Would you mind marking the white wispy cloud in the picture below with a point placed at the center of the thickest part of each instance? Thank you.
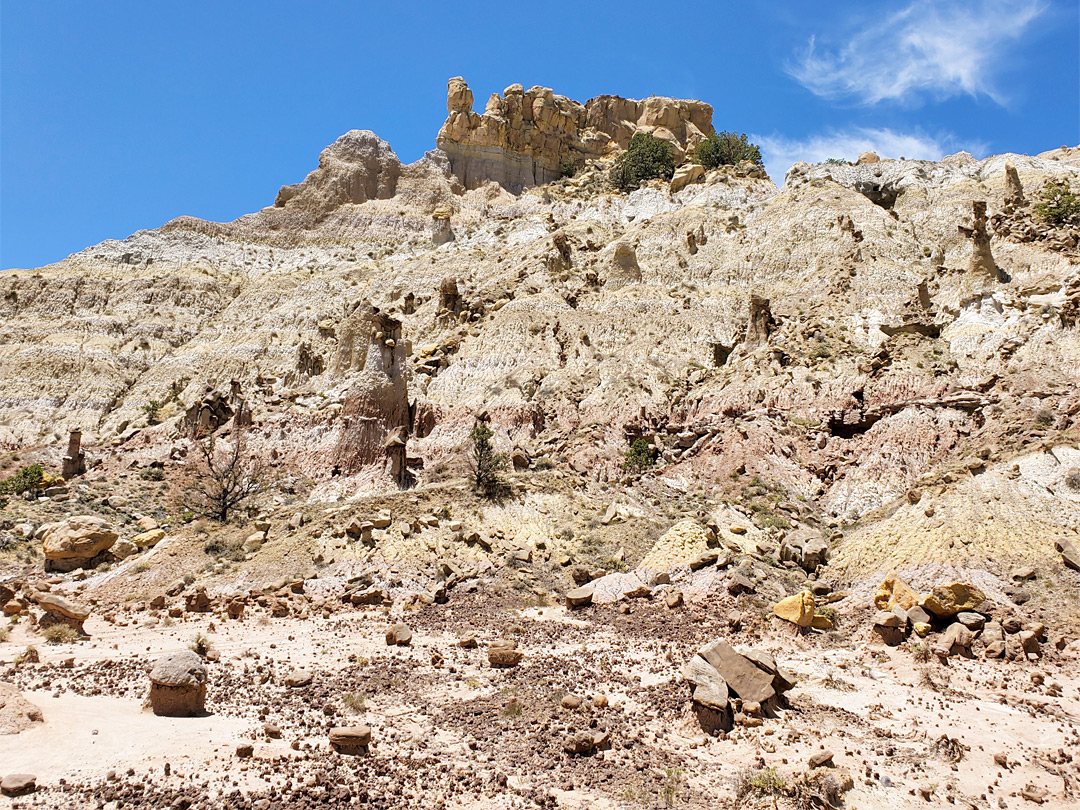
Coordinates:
(938, 48)
(779, 152)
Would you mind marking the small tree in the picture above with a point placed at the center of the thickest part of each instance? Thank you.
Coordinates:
(645, 158)
(1059, 204)
(152, 409)
(222, 476)
(26, 478)
(487, 464)
(639, 457)
(726, 149)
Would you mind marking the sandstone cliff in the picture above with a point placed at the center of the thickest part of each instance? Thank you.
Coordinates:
(530, 137)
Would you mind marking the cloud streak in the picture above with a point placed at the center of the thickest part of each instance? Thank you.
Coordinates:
(933, 48)
(779, 152)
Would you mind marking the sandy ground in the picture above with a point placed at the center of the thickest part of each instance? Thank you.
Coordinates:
(899, 728)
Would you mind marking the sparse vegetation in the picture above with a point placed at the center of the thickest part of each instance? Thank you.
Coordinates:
(759, 782)
(639, 457)
(28, 656)
(200, 645)
(353, 701)
(26, 478)
(646, 158)
(512, 709)
(224, 549)
(726, 149)
(152, 409)
(487, 464)
(669, 790)
(1058, 204)
(60, 634)
(1044, 418)
(152, 474)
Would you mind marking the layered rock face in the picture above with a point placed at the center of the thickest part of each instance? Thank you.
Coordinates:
(528, 137)
(371, 353)
(841, 339)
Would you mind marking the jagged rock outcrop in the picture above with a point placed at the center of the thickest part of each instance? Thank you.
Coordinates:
(357, 167)
(371, 354)
(527, 137)
(1014, 189)
(982, 269)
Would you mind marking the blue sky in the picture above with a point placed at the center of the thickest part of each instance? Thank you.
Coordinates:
(116, 116)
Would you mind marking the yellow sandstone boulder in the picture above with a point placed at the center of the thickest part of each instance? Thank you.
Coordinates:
(797, 609)
(945, 601)
(894, 591)
(148, 539)
(820, 622)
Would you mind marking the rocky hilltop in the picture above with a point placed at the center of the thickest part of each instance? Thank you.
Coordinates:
(853, 401)
(529, 137)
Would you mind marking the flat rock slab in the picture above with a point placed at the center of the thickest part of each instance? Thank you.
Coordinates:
(18, 784)
(350, 739)
(743, 677)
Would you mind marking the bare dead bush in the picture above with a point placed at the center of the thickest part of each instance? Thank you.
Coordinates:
(221, 476)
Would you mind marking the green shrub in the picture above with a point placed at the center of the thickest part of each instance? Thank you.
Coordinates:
(152, 474)
(569, 167)
(24, 479)
(768, 782)
(151, 409)
(646, 157)
(639, 457)
(1059, 205)
(726, 149)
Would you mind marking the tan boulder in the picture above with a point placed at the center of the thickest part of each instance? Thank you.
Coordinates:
(178, 685)
(148, 539)
(503, 652)
(685, 175)
(75, 542)
(821, 622)
(945, 601)
(894, 591)
(797, 609)
(123, 549)
(350, 739)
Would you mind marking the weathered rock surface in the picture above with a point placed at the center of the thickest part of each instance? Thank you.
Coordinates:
(526, 137)
(76, 542)
(350, 739)
(178, 685)
(16, 712)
